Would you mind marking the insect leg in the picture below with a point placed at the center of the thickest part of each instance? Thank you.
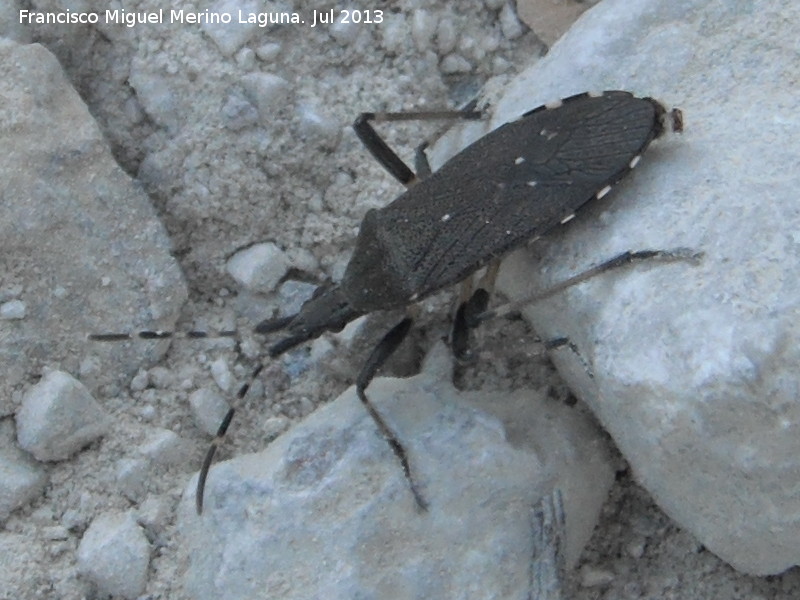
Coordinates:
(388, 157)
(470, 308)
(564, 342)
(547, 557)
(377, 358)
(462, 323)
(621, 260)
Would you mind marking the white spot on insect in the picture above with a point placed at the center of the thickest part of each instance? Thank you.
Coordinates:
(554, 104)
(445, 218)
(634, 161)
(568, 218)
(595, 94)
(533, 183)
(413, 297)
(603, 192)
(508, 232)
(548, 134)
(519, 160)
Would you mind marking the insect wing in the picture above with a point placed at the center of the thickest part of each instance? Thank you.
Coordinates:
(513, 185)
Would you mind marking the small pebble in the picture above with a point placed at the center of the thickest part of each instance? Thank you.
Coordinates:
(55, 532)
(239, 113)
(509, 23)
(259, 267)
(635, 549)
(160, 377)
(229, 37)
(423, 26)
(268, 52)
(165, 447)
(293, 294)
(267, 91)
(318, 127)
(303, 259)
(90, 366)
(114, 554)
(591, 577)
(154, 513)
(344, 33)
(58, 417)
(222, 374)
(455, 63)
(353, 329)
(246, 58)
(395, 32)
(12, 310)
(140, 381)
(274, 426)
(133, 475)
(208, 409)
(147, 412)
(446, 36)
(73, 519)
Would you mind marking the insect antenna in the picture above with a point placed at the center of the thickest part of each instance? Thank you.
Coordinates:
(158, 334)
(195, 334)
(209, 458)
(266, 326)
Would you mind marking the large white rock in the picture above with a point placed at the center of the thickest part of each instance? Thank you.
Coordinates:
(695, 367)
(325, 511)
(79, 240)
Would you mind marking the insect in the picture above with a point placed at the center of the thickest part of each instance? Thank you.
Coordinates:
(506, 189)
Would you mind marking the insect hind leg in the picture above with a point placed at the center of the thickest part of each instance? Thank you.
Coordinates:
(621, 260)
(548, 528)
(563, 342)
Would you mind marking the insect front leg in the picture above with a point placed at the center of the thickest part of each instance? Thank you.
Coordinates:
(385, 348)
(388, 157)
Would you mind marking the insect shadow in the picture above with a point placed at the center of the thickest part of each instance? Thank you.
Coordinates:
(507, 188)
